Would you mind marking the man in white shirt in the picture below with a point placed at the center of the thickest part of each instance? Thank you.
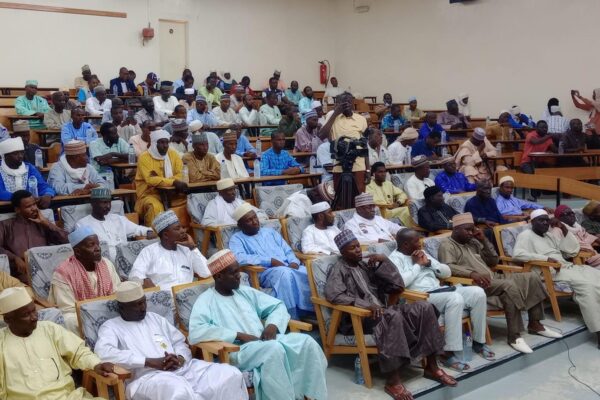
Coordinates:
(318, 237)
(420, 271)
(224, 113)
(98, 104)
(332, 91)
(399, 150)
(158, 356)
(232, 165)
(377, 150)
(173, 260)
(112, 229)
(219, 211)
(368, 227)
(166, 102)
(416, 184)
(556, 122)
(248, 114)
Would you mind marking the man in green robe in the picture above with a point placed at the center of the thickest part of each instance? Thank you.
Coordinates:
(32, 104)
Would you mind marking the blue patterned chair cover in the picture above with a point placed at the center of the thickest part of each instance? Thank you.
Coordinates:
(431, 245)
(47, 212)
(94, 313)
(320, 268)
(509, 237)
(342, 216)
(457, 202)
(399, 180)
(4, 264)
(196, 204)
(295, 227)
(127, 253)
(413, 209)
(42, 263)
(185, 299)
(381, 248)
(270, 198)
(71, 214)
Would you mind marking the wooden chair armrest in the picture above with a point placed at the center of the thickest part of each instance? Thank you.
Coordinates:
(542, 264)
(217, 346)
(509, 259)
(299, 326)
(309, 256)
(456, 280)
(361, 312)
(253, 268)
(122, 373)
(414, 295)
(508, 268)
(119, 374)
(585, 254)
(43, 302)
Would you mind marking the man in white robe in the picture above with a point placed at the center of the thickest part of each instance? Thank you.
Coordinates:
(402, 147)
(538, 243)
(156, 353)
(232, 165)
(173, 260)
(112, 229)
(219, 211)
(225, 114)
(286, 366)
(318, 237)
(415, 185)
(368, 227)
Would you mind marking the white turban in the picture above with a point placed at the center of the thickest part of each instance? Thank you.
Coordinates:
(538, 213)
(194, 126)
(153, 150)
(11, 145)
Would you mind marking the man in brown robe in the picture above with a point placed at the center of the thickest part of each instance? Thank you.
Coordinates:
(469, 254)
(403, 331)
(472, 157)
(28, 229)
(202, 166)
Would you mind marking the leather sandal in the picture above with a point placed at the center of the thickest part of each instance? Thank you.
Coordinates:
(440, 376)
(398, 392)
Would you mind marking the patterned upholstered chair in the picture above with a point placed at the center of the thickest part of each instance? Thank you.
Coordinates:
(270, 198)
(399, 180)
(70, 215)
(293, 228)
(91, 314)
(329, 316)
(51, 314)
(127, 253)
(458, 201)
(4, 263)
(47, 212)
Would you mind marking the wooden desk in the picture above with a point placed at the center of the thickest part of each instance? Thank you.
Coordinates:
(593, 157)
(58, 201)
(398, 168)
(515, 143)
(44, 133)
(13, 118)
(508, 159)
(119, 169)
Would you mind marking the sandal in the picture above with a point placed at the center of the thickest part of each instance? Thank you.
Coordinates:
(398, 392)
(486, 353)
(455, 364)
(440, 376)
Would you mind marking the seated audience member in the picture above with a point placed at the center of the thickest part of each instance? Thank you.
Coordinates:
(464, 107)
(21, 129)
(237, 97)
(426, 147)
(224, 113)
(112, 229)
(393, 120)
(297, 205)
(537, 141)
(180, 82)
(69, 103)
(553, 101)
(318, 107)
(276, 87)
(565, 217)
(575, 140)
(383, 109)
(84, 275)
(166, 102)
(98, 104)
(126, 127)
(452, 118)
(141, 142)
(28, 229)
(290, 120)
(166, 369)
(186, 93)
(244, 148)
(148, 86)
(179, 137)
(592, 222)
(519, 120)
(227, 82)
(510, 206)
(435, 215)
(430, 125)
(421, 272)
(451, 181)
(57, 116)
(210, 92)
(277, 161)
(412, 113)
(307, 137)
(232, 165)
(202, 166)
(72, 175)
(318, 238)
(265, 348)
(385, 194)
(18, 174)
(82, 80)
(469, 254)
(110, 148)
(483, 206)
(173, 260)
(78, 129)
(501, 129)
(403, 331)
(116, 103)
(32, 104)
(367, 226)
(306, 103)
(122, 85)
(148, 112)
(472, 157)
(255, 245)
(188, 99)
(293, 94)
(214, 143)
(202, 114)
(417, 183)
(32, 348)
(269, 114)
(220, 210)
(540, 243)
(557, 124)
(400, 150)
(87, 91)
(332, 91)
(160, 166)
(377, 150)
(248, 114)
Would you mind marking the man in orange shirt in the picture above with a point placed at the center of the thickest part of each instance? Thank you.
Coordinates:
(538, 141)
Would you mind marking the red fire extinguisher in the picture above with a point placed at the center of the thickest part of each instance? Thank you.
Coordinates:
(323, 72)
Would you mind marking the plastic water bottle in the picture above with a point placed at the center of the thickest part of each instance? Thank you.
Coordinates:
(561, 148)
(32, 186)
(89, 136)
(444, 137)
(499, 148)
(312, 164)
(39, 159)
(257, 168)
(444, 151)
(185, 174)
(467, 353)
(358, 373)
(258, 148)
(396, 126)
(131, 155)
(110, 179)
(224, 173)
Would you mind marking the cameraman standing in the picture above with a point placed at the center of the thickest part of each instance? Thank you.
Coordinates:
(343, 121)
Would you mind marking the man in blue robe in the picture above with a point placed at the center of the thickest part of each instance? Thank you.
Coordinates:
(451, 181)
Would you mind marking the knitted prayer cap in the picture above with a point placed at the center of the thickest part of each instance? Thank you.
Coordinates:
(80, 234)
(101, 193)
(310, 114)
(75, 147)
(479, 133)
(11, 145)
(99, 89)
(364, 199)
(462, 219)
(129, 291)
(152, 76)
(225, 184)
(538, 213)
(220, 260)
(319, 207)
(31, 82)
(419, 161)
(21, 126)
(225, 97)
(242, 210)
(164, 220)
(229, 135)
(201, 137)
(411, 99)
(179, 125)
(201, 98)
(343, 238)
(326, 191)
(85, 68)
(590, 207)
(13, 298)
(560, 210)
(409, 134)
(506, 178)
(431, 191)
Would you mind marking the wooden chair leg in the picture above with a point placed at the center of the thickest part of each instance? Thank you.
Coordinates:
(488, 335)
(334, 324)
(362, 350)
(102, 390)
(551, 293)
(119, 391)
(206, 236)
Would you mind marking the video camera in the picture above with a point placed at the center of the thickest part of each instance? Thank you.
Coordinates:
(345, 150)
